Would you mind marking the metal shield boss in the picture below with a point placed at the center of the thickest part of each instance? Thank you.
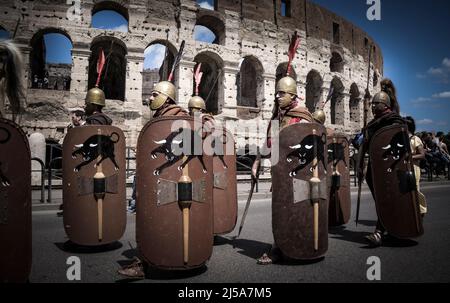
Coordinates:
(299, 197)
(94, 185)
(15, 204)
(174, 210)
(338, 177)
(396, 197)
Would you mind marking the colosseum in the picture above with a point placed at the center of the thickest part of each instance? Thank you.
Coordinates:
(242, 64)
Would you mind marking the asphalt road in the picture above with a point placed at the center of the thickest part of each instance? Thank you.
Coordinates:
(423, 260)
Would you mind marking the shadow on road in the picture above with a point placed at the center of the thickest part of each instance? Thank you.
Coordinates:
(342, 233)
(250, 248)
(71, 247)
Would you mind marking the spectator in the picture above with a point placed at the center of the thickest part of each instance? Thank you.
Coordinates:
(418, 153)
(35, 82)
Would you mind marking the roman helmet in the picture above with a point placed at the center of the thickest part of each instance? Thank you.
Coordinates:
(197, 102)
(382, 97)
(165, 89)
(287, 85)
(95, 96)
(319, 116)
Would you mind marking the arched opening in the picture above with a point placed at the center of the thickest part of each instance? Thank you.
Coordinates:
(285, 8)
(4, 34)
(337, 102)
(51, 60)
(207, 4)
(314, 83)
(157, 65)
(109, 15)
(354, 103)
(375, 79)
(336, 63)
(250, 82)
(209, 29)
(281, 72)
(112, 81)
(211, 87)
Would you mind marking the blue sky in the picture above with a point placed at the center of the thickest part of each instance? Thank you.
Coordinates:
(414, 37)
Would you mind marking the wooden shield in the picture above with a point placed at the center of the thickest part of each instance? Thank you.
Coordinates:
(169, 234)
(394, 183)
(225, 201)
(94, 161)
(294, 196)
(338, 180)
(15, 204)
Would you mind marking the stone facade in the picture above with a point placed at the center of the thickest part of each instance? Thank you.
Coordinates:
(252, 41)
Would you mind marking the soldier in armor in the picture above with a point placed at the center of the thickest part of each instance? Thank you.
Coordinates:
(95, 102)
(287, 112)
(385, 109)
(162, 101)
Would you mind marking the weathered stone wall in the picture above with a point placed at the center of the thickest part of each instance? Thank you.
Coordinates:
(245, 29)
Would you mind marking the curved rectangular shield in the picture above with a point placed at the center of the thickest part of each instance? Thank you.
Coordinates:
(338, 174)
(299, 197)
(394, 184)
(15, 204)
(94, 185)
(225, 202)
(174, 211)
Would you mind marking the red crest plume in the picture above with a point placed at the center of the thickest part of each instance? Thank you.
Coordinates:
(100, 65)
(295, 42)
(198, 78)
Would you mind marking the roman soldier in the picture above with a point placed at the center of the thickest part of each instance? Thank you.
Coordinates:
(387, 142)
(15, 173)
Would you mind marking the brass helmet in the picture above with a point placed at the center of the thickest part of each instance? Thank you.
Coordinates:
(382, 97)
(287, 85)
(95, 96)
(319, 116)
(166, 90)
(197, 102)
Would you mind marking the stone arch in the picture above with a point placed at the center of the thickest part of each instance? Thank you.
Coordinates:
(154, 74)
(211, 87)
(214, 24)
(43, 74)
(375, 78)
(113, 78)
(116, 6)
(336, 63)
(250, 90)
(337, 102)
(314, 84)
(354, 104)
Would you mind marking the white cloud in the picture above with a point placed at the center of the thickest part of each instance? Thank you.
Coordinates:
(441, 73)
(154, 56)
(420, 100)
(121, 28)
(425, 122)
(204, 34)
(443, 95)
(441, 123)
(206, 4)
(446, 62)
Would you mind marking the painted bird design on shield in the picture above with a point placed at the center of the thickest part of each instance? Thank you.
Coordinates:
(95, 146)
(5, 135)
(174, 149)
(395, 150)
(304, 153)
